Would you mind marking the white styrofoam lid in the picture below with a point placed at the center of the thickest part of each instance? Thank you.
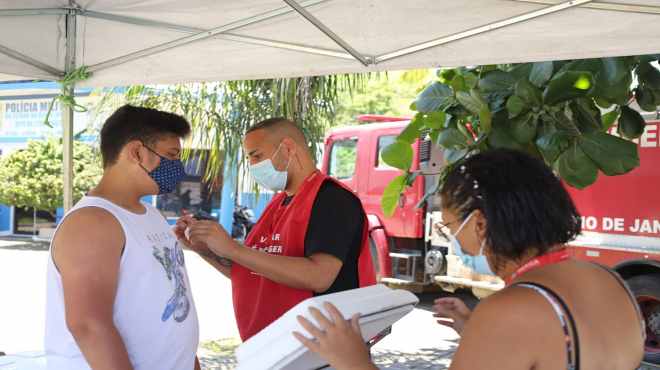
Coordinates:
(276, 348)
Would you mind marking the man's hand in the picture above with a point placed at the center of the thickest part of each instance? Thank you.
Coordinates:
(182, 232)
(211, 235)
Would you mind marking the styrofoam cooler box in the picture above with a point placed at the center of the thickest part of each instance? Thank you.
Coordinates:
(276, 348)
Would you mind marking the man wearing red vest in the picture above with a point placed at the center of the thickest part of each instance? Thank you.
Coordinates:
(311, 239)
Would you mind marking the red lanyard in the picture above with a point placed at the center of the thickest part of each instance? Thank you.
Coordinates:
(546, 259)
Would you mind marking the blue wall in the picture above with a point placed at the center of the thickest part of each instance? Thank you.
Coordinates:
(256, 205)
(5, 219)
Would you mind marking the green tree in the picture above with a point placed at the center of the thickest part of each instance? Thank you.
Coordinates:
(32, 177)
(386, 94)
(221, 112)
(563, 112)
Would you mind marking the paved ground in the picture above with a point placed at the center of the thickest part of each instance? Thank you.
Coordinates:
(415, 342)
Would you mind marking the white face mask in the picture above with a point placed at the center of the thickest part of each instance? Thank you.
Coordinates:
(478, 263)
(265, 174)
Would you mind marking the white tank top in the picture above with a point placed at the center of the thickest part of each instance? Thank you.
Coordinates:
(154, 310)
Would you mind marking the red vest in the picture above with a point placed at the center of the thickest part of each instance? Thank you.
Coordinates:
(281, 231)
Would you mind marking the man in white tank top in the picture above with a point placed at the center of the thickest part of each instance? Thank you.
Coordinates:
(118, 291)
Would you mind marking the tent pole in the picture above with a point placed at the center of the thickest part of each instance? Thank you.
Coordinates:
(482, 29)
(328, 32)
(67, 112)
(197, 37)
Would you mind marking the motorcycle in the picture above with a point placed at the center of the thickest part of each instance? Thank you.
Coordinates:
(244, 220)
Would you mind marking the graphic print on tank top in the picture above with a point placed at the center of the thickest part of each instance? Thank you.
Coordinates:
(170, 256)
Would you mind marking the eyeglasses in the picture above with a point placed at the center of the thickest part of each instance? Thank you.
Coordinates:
(442, 229)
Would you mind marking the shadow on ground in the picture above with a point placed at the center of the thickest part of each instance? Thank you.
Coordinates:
(23, 244)
(219, 355)
(424, 358)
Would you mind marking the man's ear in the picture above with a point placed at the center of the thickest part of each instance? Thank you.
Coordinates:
(134, 151)
(290, 145)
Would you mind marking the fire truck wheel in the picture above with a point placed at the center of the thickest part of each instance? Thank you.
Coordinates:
(647, 291)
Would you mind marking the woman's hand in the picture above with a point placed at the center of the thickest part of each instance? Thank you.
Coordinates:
(451, 312)
(336, 340)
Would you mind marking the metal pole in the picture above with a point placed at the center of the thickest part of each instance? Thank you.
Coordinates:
(197, 37)
(67, 112)
(328, 32)
(482, 29)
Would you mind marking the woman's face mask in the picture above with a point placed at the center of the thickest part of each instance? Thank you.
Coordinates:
(478, 263)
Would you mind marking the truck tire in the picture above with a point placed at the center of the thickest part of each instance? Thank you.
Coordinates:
(647, 291)
(374, 257)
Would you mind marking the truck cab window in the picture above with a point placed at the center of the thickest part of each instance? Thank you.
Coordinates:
(343, 157)
(383, 142)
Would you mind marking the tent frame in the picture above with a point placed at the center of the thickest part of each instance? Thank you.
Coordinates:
(346, 51)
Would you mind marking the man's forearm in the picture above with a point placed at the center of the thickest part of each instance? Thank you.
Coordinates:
(102, 346)
(221, 264)
(295, 272)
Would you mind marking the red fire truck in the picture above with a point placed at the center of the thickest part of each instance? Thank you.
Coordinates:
(621, 217)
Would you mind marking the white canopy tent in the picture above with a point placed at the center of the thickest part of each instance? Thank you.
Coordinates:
(126, 42)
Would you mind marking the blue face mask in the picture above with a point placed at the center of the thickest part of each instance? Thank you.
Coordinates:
(265, 174)
(168, 173)
(478, 263)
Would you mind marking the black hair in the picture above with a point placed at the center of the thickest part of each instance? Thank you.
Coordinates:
(526, 207)
(130, 123)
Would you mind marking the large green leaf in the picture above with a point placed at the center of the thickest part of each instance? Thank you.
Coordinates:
(472, 101)
(602, 102)
(586, 115)
(613, 71)
(413, 130)
(631, 123)
(609, 119)
(392, 194)
(529, 93)
(576, 168)
(458, 83)
(501, 136)
(515, 106)
(435, 97)
(398, 155)
(485, 119)
(497, 82)
(568, 85)
(649, 79)
(471, 80)
(523, 128)
(435, 120)
(451, 138)
(446, 75)
(521, 71)
(551, 142)
(613, 155)
(541, 73)
(648, 58)
(618, 93)
(645, 98)
(648, 74)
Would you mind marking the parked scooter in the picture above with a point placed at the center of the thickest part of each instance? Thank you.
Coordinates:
(244, 220)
